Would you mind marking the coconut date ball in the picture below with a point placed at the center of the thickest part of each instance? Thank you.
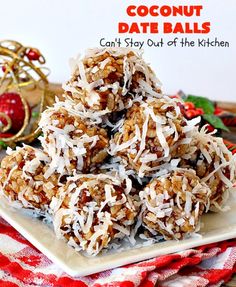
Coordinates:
(108, 79)
(152, 133)
(172, 204)
(73, 143)
(214, 164)
(91, 210)
(22, 178)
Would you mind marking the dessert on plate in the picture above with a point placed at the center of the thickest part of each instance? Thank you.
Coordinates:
(90, 210)
(73, 143)
(174, 203)
(152, 133)
(108, 79)
(119, 160)
(23, 179)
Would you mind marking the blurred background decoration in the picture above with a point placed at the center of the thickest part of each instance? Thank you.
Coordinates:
(24, 92)
(220, 116)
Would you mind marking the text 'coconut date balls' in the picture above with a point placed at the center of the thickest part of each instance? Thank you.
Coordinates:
(153, 132)
(173, 204)
(22, 178)
(74, 144)
(214, 164)
(108, 79)
(91, 210)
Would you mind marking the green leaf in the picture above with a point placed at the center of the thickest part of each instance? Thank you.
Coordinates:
(215, 121)
(201, 102)
(3, 145)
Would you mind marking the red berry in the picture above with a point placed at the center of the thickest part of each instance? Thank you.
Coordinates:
(218, 111)
(189, 106)
(4, 68)
(210, 128)
(191, 114)
(33, 54)
(200, 111)
(12, 106)
(175, 97)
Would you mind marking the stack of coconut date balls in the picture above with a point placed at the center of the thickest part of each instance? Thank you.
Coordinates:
(118, 159)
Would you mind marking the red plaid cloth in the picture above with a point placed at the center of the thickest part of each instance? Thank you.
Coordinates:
(230, 146)
(21, 264)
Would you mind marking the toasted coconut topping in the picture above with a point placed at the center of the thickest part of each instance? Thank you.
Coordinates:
(74, 144)
(106, 79)
(91, 210)
(214, 164)
(173, 203)
(153, 132)
(119, 159)
(22, 179)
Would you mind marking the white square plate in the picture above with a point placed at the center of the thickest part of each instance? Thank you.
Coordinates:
(217, 227)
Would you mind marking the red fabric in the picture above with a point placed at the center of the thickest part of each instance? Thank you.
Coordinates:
(22, 265)
(230, 146)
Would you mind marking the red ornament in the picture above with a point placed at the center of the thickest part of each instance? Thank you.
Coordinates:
(33, 54)
(12, 106)
(6, 135)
